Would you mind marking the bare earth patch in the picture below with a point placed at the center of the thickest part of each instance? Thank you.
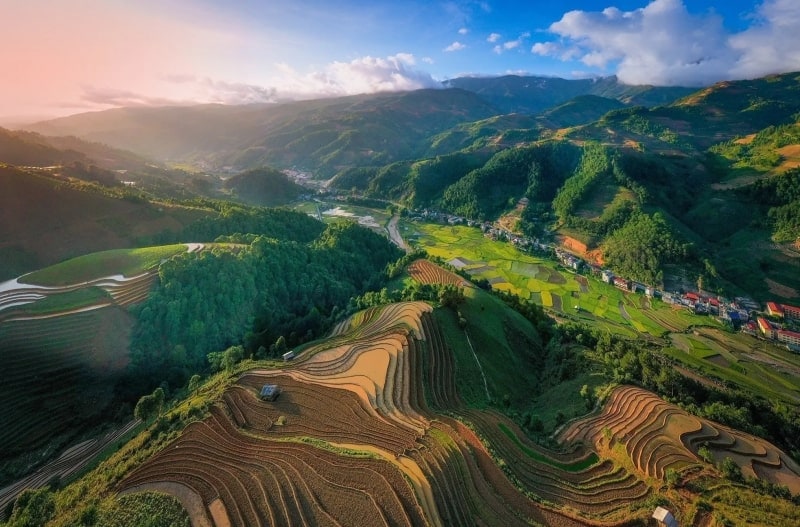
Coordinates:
(779, 289)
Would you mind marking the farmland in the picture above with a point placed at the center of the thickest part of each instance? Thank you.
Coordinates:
(354, 400)
(387, 420)
(541, 280)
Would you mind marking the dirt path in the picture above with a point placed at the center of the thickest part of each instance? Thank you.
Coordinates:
(394, 233)
(485, 385)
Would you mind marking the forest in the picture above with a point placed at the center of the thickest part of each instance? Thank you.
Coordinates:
(251, 291)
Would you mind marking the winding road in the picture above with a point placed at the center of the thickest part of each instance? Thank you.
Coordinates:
(394, 233)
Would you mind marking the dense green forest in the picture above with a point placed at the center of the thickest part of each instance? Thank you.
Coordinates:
(535, 172)
(251, 294)
(263, 186)
(781, 194)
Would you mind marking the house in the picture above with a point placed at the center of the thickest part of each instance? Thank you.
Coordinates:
(608, 276)
(664, 517)
(289, 355)
(621, 283)
(765, 327)
(649, 291)
(790, 338)
(269, 392)
(751, 328)
(792, 312)
(691, 298)
(774, 310)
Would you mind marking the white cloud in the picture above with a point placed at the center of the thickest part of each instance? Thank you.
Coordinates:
(463, 31)
(510, 44)
(494, 37)
(427, 60)
(662, 43)
(362, 75)
(455, 46)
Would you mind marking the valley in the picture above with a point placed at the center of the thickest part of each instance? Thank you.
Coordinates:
(480, 304)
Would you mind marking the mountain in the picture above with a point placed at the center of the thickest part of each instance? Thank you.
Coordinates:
(329, 135)
(32, 149)
(322, 135)
(580, 110)
(533, 95)
(263, 186)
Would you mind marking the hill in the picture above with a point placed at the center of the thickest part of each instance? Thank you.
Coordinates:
(263, 186)
(45, 219)
(580, 110)
(400, 412)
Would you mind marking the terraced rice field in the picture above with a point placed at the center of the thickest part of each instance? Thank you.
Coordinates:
(56, 370)
(426, 272)
(355, 439)
(658, 436)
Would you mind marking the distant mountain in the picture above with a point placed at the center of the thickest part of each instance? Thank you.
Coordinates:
(706, 117)
(263, 186)
(580, 110)
(533, 95)
(323, 135)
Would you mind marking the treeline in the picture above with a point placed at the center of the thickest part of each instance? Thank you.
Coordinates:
(250, 296)
(283, 224)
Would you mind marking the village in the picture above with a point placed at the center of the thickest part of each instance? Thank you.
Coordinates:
(779, 323)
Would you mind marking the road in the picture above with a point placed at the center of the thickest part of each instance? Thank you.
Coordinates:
(394, 233)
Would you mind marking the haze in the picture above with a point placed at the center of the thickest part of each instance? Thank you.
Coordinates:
(68, 56)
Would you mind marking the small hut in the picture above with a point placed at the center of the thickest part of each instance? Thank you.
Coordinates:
(270, 392)
(665, 517)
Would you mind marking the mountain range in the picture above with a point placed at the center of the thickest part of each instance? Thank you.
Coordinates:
(478, 145)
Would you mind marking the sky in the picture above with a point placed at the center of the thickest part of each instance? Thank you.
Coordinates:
(60, 57)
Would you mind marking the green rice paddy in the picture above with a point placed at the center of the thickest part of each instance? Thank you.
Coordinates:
(543, 281)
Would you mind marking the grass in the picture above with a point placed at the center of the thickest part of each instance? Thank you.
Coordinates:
(577, 466)
(127, 262)
(501, 338)
(66, 301)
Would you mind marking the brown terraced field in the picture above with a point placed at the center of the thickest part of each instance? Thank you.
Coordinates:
(658, 435)
(351, 440)
(426, 272)
(370, 430)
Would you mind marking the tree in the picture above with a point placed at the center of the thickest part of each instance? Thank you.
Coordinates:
(33, 508)
(731, 470)
(451, 296)
(588, 396)
(672, 477)
(149, 405)
(194, 383)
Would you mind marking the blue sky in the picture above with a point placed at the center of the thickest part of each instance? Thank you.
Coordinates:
(78, 55)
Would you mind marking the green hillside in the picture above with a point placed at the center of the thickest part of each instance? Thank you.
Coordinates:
(45, 219)
(263, 186)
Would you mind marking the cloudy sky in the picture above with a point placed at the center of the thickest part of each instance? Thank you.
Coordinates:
(67, 56)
